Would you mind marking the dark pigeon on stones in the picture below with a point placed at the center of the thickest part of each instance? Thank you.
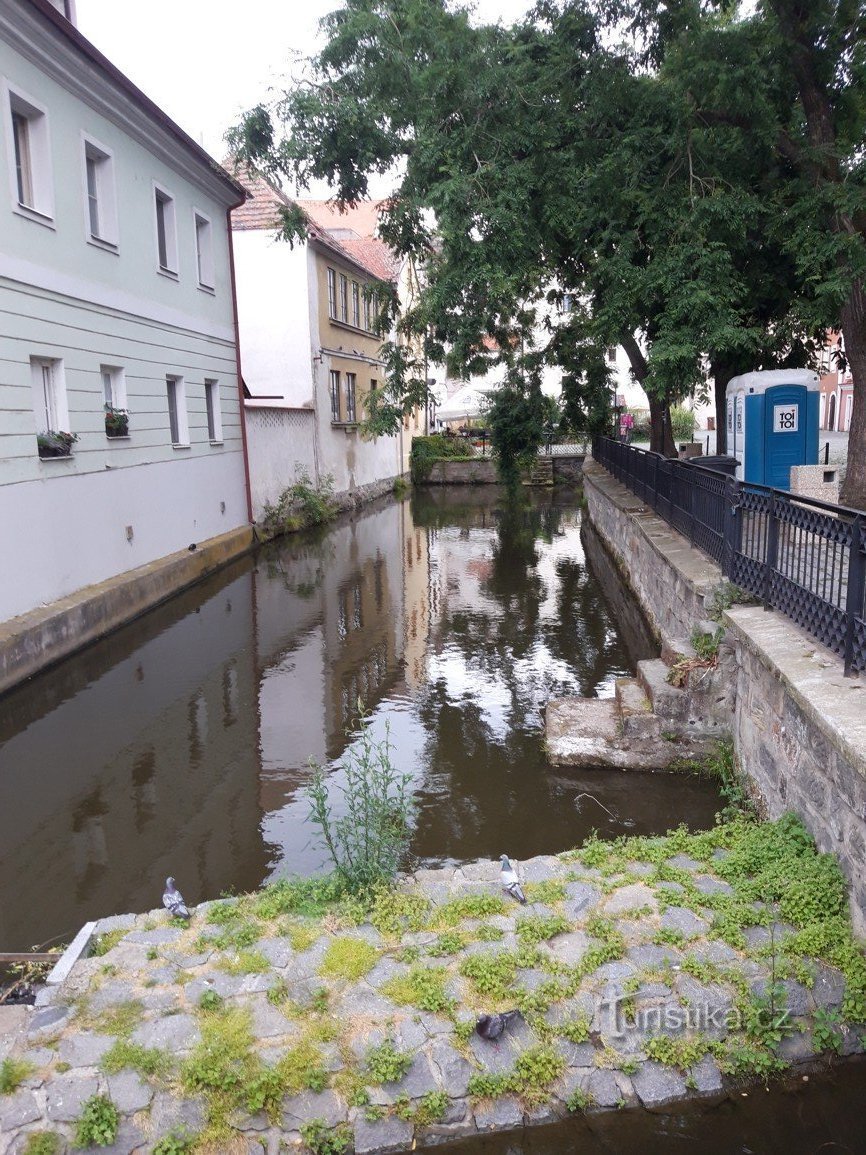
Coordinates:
(173, 902)
(492, 1026)
(509, 881)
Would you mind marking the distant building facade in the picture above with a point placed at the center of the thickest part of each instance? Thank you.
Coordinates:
(310, 353)
(120, 414)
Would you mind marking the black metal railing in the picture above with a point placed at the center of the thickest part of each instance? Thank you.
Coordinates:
(803, 557)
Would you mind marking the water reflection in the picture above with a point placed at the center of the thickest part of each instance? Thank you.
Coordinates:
(181, 744)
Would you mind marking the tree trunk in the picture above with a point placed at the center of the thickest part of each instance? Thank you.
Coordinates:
(661, 434)
(854, 330)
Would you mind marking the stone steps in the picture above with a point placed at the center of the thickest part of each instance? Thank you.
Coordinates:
(542, 472)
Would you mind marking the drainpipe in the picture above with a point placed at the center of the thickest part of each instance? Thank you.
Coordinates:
(243, 415)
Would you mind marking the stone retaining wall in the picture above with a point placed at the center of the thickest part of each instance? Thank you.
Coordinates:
(798, 725)
(478, 471)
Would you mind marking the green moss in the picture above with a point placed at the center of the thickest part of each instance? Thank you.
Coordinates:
(108, 941)
(148, 1061)
(302, 935)
(245, 962)
(13, 1072)
(348, 958)
(42, 1143)
(423, 987)
(120, 1020)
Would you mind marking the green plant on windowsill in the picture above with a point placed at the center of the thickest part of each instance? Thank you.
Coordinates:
(116, 421)
(55, 443)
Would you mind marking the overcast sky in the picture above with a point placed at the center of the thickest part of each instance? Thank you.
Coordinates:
(206, 61)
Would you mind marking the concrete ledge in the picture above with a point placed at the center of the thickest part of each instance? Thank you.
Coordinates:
(42, 637)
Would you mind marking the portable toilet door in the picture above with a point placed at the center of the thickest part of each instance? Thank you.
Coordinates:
(784, 433)
(774, 413)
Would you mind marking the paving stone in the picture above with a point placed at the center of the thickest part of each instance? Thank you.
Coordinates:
(853, 1042)
(168, 1114)
(827, 991)
(709, 885)
(129, 1092)
(797, 999)
(581, 898)
(684, 862)
(796, 1047)
(569, 948)
(486, 871)
(158, 937)
(111, 994)
(575, 1054)
(368, 934)
(84, 1049)
(542, 868)
(642, 869)
(435, 1024)
(685, 921)
(653, 957)
(226, 986)
(418, 1080)
(115, 922)
(410, 1035)
(706, 1076)
(613, 972)
(756, 936)
(267, 1021)
(531, 979)
(543, 1113)
(714, 952)
(499, 1056)
(159, 1002)
(454, 1070)
(324, 1105)
(17, 1109)
(189, 962)
(438, 893)
(385, 970)
(47, 1021)
(632, 897)
(498, 1114)
(384, 1135)
(603, 1087)
(170, 1033)
(574, 1079)
(67, 1094)
(656, 1084)
(363, 1001)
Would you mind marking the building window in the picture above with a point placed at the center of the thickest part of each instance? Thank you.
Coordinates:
(177, 415)
(99, 194)
(114, 400)
(166, 231)
(350, 397)
(334, 380)
(356, 305)
(214, 414)
(344, 297)
(204, 250)
(29, 156)
(332, 294)
(50, 407)
(367, 309)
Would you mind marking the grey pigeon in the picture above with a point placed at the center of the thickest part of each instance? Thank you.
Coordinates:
(492, 1026)
(173, 902)
(509, 881)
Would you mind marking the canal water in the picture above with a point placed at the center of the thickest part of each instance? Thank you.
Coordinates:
(181, 744)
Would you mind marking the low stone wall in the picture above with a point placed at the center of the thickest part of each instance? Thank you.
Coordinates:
(568, 469)
(798, 725)
(42, 637)
(477, 471)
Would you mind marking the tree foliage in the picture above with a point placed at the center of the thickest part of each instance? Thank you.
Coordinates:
(690, 180)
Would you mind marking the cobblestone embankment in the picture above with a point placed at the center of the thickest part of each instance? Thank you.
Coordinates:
(643, 976)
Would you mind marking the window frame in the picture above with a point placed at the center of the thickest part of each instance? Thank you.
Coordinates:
(166, 238)
(178, 415)
(54, 408)
(332, 293)
(356, 305)
(344, 299)
(334, 388)
(351, 394)
(18, 104)
(102, 157)
(213, 410)
(204, 256)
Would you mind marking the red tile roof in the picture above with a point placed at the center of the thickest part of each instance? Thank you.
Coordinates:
(261, 211)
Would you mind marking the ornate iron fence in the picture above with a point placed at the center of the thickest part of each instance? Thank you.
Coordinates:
(803, 557)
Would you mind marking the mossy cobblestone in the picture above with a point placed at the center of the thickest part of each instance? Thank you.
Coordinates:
(646, 970)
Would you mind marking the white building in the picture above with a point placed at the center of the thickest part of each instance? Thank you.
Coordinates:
(310, 353)
(118, 323)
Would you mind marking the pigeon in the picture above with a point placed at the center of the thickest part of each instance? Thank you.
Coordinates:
(492, 1026)
(509, 881)
(173, 902)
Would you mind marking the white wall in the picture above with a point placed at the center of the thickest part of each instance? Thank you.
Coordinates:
(279, 441)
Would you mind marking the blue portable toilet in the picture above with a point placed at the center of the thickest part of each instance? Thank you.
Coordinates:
(773, 424)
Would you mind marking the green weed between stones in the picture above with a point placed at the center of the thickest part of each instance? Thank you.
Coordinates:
(423, 987)
(579, 1100)
(535, 929)
(108, 941)
(548, 891)
(385, 1064)
(534, 1072)
(681, 1053)
(489, 933)
(42, 1143)
(98, 1123)
(13, 1072)
(449, 942)
(245, 962)
(577, 1029)
(148, 1061)
(322, 1139)
(469, 906)
(175, 1143)
(120, 1020)
(348, 958)
(431, 1108)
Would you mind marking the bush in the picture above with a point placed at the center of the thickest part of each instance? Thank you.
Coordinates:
(300, 505)
(367, 844)
(426, 450)
(682, 423)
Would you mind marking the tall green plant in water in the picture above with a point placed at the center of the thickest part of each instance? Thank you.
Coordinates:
(369, 840)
